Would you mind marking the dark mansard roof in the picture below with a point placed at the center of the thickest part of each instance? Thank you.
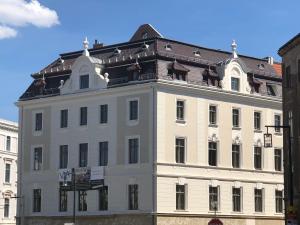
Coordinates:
(148, 48)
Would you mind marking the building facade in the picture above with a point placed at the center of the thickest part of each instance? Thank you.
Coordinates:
(290, 53)
(8, 168)
(174, 130)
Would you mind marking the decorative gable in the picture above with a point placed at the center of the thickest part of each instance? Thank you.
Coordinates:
(86, 74)
(233, 73)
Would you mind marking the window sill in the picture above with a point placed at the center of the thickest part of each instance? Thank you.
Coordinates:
(181, 210)
(132, 122)
(180, 121)
(278, 134)
(6, 184)
(213, 125)
(236, 128)
(237, 212)
(257, 131)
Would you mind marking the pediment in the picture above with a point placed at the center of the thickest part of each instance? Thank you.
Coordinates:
(85, 65)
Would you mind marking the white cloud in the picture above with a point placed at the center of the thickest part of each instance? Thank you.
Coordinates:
(20, 13)
(7, 32)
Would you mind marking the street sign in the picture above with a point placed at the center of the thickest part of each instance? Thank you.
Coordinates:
(215, 221)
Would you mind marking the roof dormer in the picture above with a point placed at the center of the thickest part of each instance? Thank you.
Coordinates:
(86, 74)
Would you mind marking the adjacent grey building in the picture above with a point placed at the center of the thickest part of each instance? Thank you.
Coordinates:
(290, 53)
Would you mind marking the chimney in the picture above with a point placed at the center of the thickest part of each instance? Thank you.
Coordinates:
(270, 60)
(97, 44)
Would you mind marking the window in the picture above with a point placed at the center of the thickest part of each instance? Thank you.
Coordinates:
(257, 120)
(236, 156)
(63, 200)
(133, 110)
(236, 200)
(133, 197)
(180, 150)
(258, 200)
(133, 150)
(7, 173)
(103, 198)
(277, 122)
(37, 200)
(277, 159)
(212, 153)
(180, 197)
(235, 84)
(180, 110)
(235, 117)
(63, 156)
(288, 78)
(37, 158)
(103, 114)
(213, 198)
(279, 201)
(83, 116)
(8, 143)
(83, 155)
(63, 118)
(82, 204)
(84, 81)
(270, 90)
(257, 158)
(103, 153)
(212, 114)
(38, 121)
(6, 208)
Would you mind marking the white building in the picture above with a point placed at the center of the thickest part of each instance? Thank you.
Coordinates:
(8, 174)
(176, 128)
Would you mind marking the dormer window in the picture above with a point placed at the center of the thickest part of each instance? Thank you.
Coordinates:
(145, 35)
(117, 51)
(197, 53)
(168, 47)
(178, 71)
(145, 46)
(84, 81)
(271, 90)
(261, 66)
(235, 84)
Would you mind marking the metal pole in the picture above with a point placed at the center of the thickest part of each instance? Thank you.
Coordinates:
(74, 196)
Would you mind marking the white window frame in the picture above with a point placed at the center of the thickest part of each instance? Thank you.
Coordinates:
(185, 149)
(262, 157)
(218, 194)
(132, 122)
(261, 120)
(280, 129)
(185, 197)
(240, 117)
(32, 158)
(178, 121)
(239, 79)
(241, 199)
(33, 116)
(217, 114)
(127, 150)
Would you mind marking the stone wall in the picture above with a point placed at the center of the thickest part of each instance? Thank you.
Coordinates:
(93, 220)
(184, 220)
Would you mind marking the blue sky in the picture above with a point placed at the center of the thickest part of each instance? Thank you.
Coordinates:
(33, 40)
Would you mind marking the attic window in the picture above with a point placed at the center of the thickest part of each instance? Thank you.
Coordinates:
(145, 46)
(168, 47)
(271, 90)
(145, 35)
(261, 66)
(197, 53)
(117, 51)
